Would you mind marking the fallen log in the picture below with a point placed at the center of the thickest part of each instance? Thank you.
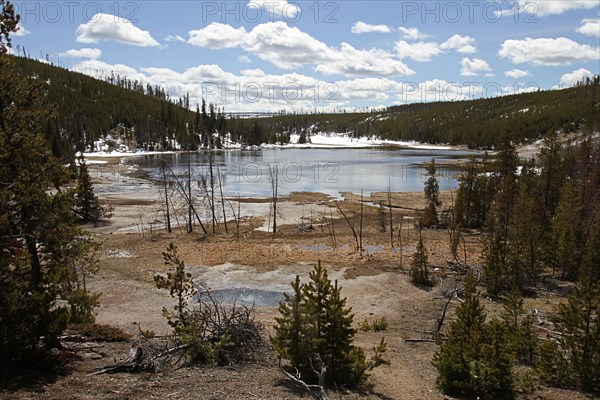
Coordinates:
(129, 364)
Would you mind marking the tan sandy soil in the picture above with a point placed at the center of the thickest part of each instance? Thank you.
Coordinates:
(376, 284)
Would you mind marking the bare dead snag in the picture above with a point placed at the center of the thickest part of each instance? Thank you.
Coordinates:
(350, 225)
(318, 392)
(131, 363)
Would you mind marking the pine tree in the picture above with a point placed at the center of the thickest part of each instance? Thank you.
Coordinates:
(565, 248)
(497, 268)
(475, 359)
(429, 218)
(526, 236)
(314, 322)
(579, 322)
(290, 339)
(180, 285)
(87, 204)
(8, 24)
(551, 175)
(419, 266)
(521, 336)
(42, 251)
(338, 334)
(317, 293)
(492, 371)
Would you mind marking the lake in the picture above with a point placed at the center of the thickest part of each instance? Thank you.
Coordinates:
(331, 171)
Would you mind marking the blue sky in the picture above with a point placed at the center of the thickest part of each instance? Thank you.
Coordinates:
(326, 55)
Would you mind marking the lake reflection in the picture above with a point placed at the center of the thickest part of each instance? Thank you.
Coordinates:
(329, 171)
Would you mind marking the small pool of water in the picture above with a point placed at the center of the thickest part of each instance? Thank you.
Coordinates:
(245, 296)
(371, 249)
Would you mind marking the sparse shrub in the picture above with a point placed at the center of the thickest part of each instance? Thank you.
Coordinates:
(213, 333)
(377, 325)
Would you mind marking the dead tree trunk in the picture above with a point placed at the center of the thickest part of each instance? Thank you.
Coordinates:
(350, 225)
(360, 235)
(222, 198)
(400, 241)
(391, 213)
(189, 191)
(188, 198)
(211, 194)
(163, 165)
(318, 392)
(274, 178)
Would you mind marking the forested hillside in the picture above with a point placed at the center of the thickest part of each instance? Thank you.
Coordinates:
(86, 109)
(476, 123)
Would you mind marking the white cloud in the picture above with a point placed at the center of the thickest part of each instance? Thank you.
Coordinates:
(412, 33)
(109, 27)
(284, 46)
(252, 89)
(571, 79)
(276, 8)
(174, 38)
(462, 44)
(21, 31)
(549, 7)
(288, 47)
(244, 59)
(362, 27)
(256, 72)
(516, 73)
(590, 27)
(83, 53)
(102, 70)
(218, 36)
(472, 67)
(419, 51)
(438, 90)
(547, 51)
(353, 62)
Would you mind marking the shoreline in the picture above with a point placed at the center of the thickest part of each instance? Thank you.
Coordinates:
(318, 141)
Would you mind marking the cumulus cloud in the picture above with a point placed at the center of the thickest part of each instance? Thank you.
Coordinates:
(549, 7)
(419, 51)
(252, 89)
(571, 79)
(412, 33)
(425, 51)
(590, 27)
(83, 53)
(285, 47)
(288, 47)
(102, 70)
(547, 51)
(276, 8)
(353, 62)
(109, 27)
(21, 31)
(462, 44)
(472, 67)
(362, 27)
(438, 90)
(516, 73)
(218, 36)
(244, 59)
(256, 72)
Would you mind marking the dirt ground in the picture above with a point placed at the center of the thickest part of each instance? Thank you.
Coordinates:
(311, 229)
